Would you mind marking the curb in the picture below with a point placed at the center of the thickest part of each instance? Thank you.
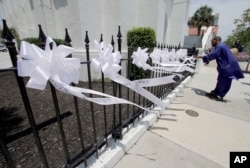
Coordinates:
(109, 157)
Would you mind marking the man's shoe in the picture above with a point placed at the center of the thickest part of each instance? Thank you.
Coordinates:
(211, 95)
(219, 98)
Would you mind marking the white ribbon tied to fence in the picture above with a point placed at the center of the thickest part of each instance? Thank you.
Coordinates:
(140, 58)
(51, 64)
(108, 62)
(170, 60)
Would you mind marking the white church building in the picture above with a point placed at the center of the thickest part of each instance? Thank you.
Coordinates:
(167, 17)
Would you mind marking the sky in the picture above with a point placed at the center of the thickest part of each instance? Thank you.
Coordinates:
(228, 10)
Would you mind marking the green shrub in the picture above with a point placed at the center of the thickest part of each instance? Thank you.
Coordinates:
(59, 42)
(32, 40)
(14, 33)
(35, 40)
(143, 37)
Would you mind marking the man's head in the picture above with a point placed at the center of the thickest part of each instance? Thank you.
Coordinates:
(216, 40)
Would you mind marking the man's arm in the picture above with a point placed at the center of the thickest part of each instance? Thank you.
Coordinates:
(214, 54)
(211, 56)
(203, 58)
(197, 56)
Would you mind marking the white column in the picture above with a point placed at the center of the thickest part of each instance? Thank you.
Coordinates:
(178, 22)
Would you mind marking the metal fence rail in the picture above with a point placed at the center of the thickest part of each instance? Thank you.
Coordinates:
(94, 124)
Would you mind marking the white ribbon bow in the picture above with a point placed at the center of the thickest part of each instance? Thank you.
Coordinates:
(42, 65)
(140, 58)
(137, 86)
(52, 64)
(156, 56)
(108, 62)
(168, 61)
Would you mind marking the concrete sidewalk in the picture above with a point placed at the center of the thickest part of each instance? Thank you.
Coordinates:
(199, 138)
(5, 61)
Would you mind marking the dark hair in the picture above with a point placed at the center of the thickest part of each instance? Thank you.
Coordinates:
(218, 38)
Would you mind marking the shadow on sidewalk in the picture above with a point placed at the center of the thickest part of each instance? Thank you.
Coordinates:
(203, 93)
(245, 83)
(199, 91)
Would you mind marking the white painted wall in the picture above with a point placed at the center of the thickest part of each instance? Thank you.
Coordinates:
(167, 17)
(177, 22)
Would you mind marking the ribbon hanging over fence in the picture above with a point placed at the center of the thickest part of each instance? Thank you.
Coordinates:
(140, 58)
(170, 61)
(52, 65)
(108, 63)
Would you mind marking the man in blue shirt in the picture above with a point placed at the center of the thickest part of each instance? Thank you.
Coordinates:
(227, 67)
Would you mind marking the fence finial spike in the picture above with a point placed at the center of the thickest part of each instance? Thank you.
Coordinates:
(67, 38)
(179, 46)
(112, 41)
(101, 39)
(6, 34)
(86, 38)
(119, 32)
(159, 45)
(41, 36)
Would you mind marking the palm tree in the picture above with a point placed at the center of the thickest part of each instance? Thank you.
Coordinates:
(202, 17)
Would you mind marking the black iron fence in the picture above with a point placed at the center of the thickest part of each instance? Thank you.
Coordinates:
(190, 51)
(51, 129)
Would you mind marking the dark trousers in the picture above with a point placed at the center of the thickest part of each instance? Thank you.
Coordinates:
(223, 86)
